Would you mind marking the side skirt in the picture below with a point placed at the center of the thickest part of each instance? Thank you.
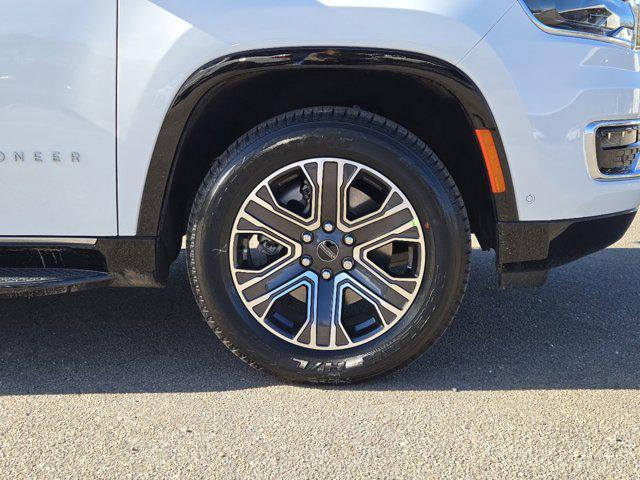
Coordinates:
(45, 266)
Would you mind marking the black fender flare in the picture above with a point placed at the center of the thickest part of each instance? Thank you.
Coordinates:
(158, 183)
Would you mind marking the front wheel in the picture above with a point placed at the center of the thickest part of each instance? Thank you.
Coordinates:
(328, 245)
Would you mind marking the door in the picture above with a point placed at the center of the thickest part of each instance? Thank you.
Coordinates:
(57, 118)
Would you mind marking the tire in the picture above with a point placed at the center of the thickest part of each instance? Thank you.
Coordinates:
(383, 160)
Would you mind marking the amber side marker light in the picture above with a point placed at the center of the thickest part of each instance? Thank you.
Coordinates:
(491, 160)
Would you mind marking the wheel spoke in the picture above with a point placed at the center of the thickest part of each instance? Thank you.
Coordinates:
(329, 193)
(273, 279)
(396, 215)
(260, 297)
(313, 172)
(246, 277)
(407, 233)
(348, 173)
(272, 219)
(323, 328)
(325, 314)
(390, 290)
(387, 311)
(249, 224)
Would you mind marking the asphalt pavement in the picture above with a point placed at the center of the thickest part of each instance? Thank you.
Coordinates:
(526, 384)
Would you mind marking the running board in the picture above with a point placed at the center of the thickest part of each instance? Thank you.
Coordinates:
(36, 282)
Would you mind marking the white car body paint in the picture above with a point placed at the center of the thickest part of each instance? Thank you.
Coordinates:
(58, 93)
(58, 97)
(543, 102)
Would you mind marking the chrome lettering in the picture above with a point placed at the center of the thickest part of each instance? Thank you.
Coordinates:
(41, 156)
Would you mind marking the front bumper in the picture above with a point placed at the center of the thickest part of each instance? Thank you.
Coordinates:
(527, 250)
(545, 92)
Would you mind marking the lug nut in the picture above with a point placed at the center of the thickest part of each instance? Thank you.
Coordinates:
(349, 240)
(306, 261)
(328, 227)
(348, 263)
(326, 274)
(307, 237)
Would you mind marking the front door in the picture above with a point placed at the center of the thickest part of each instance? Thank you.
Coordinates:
(57, 118)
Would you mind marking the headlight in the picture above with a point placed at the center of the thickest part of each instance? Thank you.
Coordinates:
(615, 21)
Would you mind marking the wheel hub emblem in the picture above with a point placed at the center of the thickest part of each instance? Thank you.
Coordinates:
(328, 251)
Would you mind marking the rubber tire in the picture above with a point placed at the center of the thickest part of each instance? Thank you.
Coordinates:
(340, 133)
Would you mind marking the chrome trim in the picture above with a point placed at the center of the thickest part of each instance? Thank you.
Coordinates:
(635, 5)
(591, 150)
(49, 240)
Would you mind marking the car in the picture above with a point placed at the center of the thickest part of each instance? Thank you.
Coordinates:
(326, 161)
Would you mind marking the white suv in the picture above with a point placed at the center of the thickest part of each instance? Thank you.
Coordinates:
(327, 160)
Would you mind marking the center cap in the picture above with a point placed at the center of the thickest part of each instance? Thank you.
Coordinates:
(328, 251)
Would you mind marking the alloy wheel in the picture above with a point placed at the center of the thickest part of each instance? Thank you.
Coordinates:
(327, 254)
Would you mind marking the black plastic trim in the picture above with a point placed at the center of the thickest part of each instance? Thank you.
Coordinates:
(527, 250)
(130, 261)
(134, 261)
(218, 72)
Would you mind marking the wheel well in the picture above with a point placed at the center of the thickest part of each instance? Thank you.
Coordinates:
(421, 105)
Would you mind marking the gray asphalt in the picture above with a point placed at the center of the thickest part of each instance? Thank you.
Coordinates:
(131, 384)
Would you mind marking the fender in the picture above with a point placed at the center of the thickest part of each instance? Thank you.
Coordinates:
(213, 75)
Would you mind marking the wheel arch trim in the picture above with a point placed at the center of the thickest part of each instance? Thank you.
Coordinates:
(214, 74)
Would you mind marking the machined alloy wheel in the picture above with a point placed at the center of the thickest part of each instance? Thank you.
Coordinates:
(328, 245)
(348, 292)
